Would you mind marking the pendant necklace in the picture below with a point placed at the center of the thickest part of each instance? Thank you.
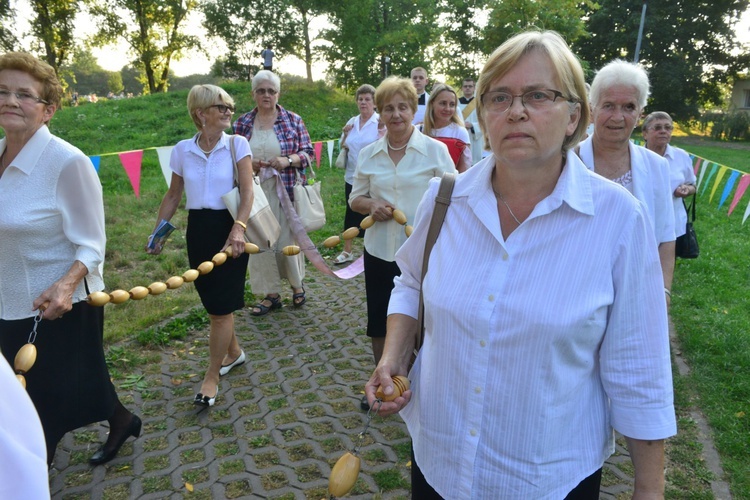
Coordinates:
(500, 197)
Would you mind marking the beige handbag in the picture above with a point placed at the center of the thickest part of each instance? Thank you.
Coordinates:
(308, 203)
(343, 158)
(262, 227)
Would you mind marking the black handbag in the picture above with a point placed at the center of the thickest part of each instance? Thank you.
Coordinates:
(686, 246)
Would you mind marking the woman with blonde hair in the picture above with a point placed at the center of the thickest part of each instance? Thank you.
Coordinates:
(203, 168)
(443, 122)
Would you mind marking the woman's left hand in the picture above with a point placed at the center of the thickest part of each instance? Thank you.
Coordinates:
(279, 163)
(683, 190)
(55, 301)
(236, 240)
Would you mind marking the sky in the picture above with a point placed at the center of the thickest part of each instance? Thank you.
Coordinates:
(113, 58)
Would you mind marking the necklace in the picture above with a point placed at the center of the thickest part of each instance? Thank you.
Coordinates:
(396, 149)
(198, 141)
(500, 197)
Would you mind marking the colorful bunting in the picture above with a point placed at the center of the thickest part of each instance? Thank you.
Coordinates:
(131, 162)
(96, 161)
(330, 153)
(165, 152)
(722, 171)
(318, 147)
(741, 188)
(728, 187)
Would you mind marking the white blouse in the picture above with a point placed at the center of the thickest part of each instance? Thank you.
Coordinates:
(681, 172)
(51, 215)
(537, 346)
(356, 139)
(207, 178)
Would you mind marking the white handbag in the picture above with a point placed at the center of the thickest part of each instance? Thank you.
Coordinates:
(308, 203)
(262, 227)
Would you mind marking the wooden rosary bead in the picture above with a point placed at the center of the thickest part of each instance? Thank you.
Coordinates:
(190, 275)
(399, 216)
(400, 386)
(175, 282)
(408, 230)
(290, 250)
(350, 233)
(157, 287)
(21, 379)
(344, 475)
(98, 299)
(251, 248)
(118, 296)
(332, 241)
(138, 292)
(219, 258)
(205, 267)
(367, 222)
(25, 358)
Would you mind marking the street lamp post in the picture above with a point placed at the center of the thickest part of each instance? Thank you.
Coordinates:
(640, 33)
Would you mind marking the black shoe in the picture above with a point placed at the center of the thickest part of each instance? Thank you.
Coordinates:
(363, 404)
(108, 450)
(264, 309)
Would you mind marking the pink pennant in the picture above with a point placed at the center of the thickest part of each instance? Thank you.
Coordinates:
(741, 188)
(697, 165)
(318, 146)
(131, 162)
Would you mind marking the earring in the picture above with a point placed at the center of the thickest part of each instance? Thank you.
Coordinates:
(204, 124)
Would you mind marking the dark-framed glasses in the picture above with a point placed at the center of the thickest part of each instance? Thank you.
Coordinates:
(271, 92)
(533, 99)
(223, 108)
(659, 127)
(21, 96)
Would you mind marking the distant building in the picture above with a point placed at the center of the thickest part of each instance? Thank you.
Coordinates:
(741, 95)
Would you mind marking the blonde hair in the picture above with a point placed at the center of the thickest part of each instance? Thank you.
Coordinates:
(396, 85)
(565, 65)
(203, 97)
(429, 119)
(38, 70)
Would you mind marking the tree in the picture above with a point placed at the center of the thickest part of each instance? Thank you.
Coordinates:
(458, 51)
(687, 47)
(154, 31)
(366, 32)
(8, 39)
(52, 27)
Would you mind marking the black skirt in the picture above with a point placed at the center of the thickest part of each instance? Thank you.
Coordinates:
(69, 384)
(352, 218)
(222, 291)
(379, 275)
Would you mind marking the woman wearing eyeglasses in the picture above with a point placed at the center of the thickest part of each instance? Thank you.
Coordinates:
(544, 323)
(52, 242)
(282, 150)
(202, 167)
(657, 132)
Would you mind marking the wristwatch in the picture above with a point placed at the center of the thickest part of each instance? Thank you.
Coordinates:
(290, 160)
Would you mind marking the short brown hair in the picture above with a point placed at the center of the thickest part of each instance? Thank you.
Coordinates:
(204, 96)
(38, 70)
(396, 85)
(365, 89)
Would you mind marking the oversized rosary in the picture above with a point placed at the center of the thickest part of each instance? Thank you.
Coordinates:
(158, 287)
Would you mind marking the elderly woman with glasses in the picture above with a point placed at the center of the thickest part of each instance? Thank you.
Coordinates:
(544, 324)
(203, 168)
(52, 243)
(618, 95)
(283, 150)
(657, 132)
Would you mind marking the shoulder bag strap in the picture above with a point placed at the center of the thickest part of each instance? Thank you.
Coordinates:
(442, 201)
(234, 160)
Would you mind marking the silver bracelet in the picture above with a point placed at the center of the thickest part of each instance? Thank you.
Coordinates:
(668, 292)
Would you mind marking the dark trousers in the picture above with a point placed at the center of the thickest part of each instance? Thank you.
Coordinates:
(588, 489)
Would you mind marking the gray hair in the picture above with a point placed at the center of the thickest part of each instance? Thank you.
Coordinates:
(619, 72)
(267, 76)
(656, 115)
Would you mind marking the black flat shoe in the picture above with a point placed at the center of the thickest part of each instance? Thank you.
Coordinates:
(108, 450)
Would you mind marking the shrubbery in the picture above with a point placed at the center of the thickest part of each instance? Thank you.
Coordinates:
(733, 125)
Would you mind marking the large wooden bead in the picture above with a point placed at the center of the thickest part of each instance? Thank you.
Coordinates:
(190, 275)
(138, 292)
(344, 475)
(219, 258)
(290, 250)
(399, 216)
(175, 282)
(25, 358)
(98, 299)
(251, 248)
(118, 296)
(331, 241)
(157, 287)
(350, 233)
(400, 386)
(367, 222)
(21, 379)
(206, 267)
(408, 230)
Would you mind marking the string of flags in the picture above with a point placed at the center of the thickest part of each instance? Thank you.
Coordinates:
(709, 174)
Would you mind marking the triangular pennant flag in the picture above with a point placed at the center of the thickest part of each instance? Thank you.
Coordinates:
(728, 187)
(703, 168)
(330, 153)
(714, 168)
(96, 161)
(722, 171)
(165, 152)
(318, 147)
(697, 164)
(747, 212)
(741, 188)
(131, 162)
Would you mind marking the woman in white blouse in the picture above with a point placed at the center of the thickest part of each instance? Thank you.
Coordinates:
(358, 132)
(52, 243)
(544, 323)
(392, 173)
(442, 121)
(203, 169)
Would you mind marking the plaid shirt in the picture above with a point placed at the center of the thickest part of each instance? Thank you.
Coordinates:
(293, 138)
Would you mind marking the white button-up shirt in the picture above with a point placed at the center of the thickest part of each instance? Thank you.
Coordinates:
(680, 172)
(402, 186)
(535, 347)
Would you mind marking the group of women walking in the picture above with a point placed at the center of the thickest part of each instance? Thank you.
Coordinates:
(545, 303)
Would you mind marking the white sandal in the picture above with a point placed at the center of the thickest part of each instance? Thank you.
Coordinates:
(343, 257)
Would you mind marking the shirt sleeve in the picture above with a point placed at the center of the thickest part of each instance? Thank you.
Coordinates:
(664, 208)
(79, 195)
(243, 148)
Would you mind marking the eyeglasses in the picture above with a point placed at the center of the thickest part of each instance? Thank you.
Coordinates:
(23, 97)
(501, 102)
(223, 108)
(271, 92)
(659, 127)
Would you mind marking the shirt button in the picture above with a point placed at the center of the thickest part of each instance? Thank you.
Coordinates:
(491, 298)
(473, 432)
(478, 390)
(482, 343)
(505, 256)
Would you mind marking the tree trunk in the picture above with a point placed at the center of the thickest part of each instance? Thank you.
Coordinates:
(308, 49)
